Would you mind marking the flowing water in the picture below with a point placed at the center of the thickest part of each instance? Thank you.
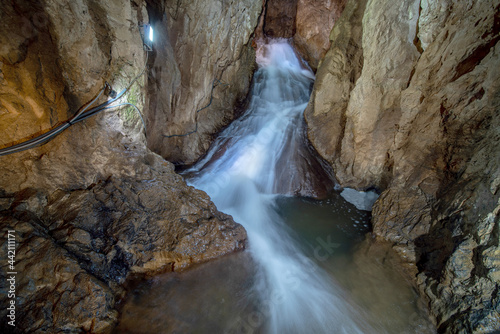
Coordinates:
(299, 274)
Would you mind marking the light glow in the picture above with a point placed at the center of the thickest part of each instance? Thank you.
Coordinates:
(151, 33)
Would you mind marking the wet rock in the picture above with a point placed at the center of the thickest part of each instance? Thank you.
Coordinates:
(52, 292)
(118, 228)
(280, 18)
(314, 22)
(306, 175)
(408, 106)
(128, 226)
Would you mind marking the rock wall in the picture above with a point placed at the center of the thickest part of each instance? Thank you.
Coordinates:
(280, 18)
(314, 21)
(307, 23)
(206, 44)
(94, 206)
(406, 100)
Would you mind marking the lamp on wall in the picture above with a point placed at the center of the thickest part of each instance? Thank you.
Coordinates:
(147, 36)
(150, 33)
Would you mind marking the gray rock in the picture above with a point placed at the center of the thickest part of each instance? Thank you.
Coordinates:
(198, 42)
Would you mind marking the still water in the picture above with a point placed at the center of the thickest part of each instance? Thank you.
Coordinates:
(309, 267)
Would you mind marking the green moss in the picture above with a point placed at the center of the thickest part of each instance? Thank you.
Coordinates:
(128, 113)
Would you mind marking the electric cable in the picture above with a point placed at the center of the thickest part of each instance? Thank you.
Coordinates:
(80, 116)
(84, 117)
(70, 121)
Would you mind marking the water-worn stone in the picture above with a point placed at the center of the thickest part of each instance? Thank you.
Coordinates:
(315, 19)
(410, 106)
(101, 235)
(93, 206)
(53, 293)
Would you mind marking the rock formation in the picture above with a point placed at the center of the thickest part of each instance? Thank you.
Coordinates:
(199, 44)
(280, 18)
(315, 19)
(307, 23)
(94, 206)
(406, 101)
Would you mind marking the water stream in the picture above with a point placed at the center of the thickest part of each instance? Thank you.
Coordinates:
(298, 274)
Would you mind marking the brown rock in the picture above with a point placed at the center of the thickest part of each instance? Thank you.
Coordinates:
(31, 96)
(280, 18)
(123, 226)
(335, 79)
(52, 291)
(315, 19)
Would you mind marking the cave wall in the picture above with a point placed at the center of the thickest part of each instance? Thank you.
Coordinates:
(203, 41)
(407, 101)
(94, 206)
(280, 18)
(306, 23)
(314, 21)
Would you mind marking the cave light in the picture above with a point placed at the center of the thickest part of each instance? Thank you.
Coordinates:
(151, 33)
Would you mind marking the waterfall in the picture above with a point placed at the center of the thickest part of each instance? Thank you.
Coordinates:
(259, 156)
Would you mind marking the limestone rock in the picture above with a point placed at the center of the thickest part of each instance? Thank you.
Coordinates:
(99, 236)
(416, 116)
(335, 79)
(139, 224)
(52, 292)
(315, 19)
(203, 42)
(93, 206)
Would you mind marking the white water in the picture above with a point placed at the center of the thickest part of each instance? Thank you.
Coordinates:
(240, 174)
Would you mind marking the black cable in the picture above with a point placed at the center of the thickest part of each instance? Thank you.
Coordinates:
(197, 111)
(80, 116)
(70, 121)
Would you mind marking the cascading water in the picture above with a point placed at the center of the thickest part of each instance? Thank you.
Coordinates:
(251, 162)
(284, 283)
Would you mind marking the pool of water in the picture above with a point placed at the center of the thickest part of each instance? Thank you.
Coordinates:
(220, 297)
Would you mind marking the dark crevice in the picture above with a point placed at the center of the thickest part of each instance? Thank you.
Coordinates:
(435, 248)
(416, 40)
(412, 73)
